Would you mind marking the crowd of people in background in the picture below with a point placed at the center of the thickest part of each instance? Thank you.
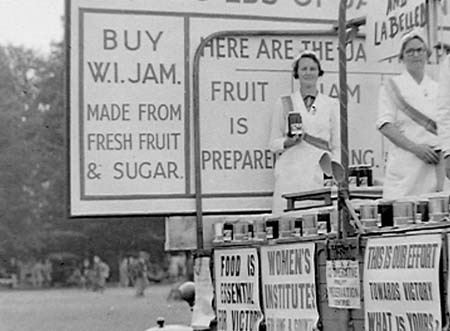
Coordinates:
(37, 273)
(137, 272)
(133, 270)
(92, 275)
(54, 271)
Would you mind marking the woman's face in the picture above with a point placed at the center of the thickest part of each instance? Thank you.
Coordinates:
(415, 55)
(308, 71)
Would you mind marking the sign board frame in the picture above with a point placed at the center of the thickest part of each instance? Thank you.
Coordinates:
(401, 281)
(237, 272)
(82, 204)
(169, 203)
(343, 284)
(290, 269)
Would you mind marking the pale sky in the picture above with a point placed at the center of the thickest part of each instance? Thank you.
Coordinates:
(32, 23)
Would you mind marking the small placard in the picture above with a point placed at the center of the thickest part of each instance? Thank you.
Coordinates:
(343, 284)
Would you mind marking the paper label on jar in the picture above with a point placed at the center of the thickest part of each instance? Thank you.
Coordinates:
(363, 181)
(296, 129)
(322, 228)
(227, 235)
(269, 232)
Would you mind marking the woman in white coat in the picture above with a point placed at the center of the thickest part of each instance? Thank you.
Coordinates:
(406, 116)
(444, 111)
(297, 168)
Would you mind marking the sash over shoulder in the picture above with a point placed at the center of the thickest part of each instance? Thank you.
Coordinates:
(412, 112)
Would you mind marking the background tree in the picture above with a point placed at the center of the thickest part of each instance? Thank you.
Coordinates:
(19, 206)
(34, 173)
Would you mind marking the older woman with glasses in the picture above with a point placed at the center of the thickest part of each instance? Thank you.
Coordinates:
(406, 116)
(304, 125)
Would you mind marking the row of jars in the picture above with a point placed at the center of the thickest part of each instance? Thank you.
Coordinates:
(373, 214)
(269, 228)
(404, 212)
(359, 176)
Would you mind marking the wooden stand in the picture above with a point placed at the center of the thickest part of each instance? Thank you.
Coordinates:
(323, 195)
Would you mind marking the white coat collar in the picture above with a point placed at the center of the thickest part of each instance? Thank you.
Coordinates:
(299, 104)
(410, 80)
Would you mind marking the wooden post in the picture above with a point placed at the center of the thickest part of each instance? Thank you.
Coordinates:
(344, 218)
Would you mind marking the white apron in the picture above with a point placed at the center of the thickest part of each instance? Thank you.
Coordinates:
(407, 175)
(297, 168)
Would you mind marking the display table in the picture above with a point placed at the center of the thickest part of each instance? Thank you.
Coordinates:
(323, 197)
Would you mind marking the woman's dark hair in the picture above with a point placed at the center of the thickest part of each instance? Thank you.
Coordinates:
(310, 56)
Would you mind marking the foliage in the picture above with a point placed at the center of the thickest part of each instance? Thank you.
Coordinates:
(34, 174)
(19, 163)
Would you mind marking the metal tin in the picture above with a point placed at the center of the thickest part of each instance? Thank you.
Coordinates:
(323, 222)
(285, 225)
(353, 176)
(251, 232)
(438, 208)
(240, 231)
(309, 224)
(295, 124)
(297, 230)
(272, 229)
(368, 211)
(369, 214)
(422, 211)
(386, 210)
(218, 232)
(259, 230)
(334, 220)
(364, 175)
(404, 213)
(228, 231)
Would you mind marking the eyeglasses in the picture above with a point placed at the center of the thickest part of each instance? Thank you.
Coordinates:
(412, 51)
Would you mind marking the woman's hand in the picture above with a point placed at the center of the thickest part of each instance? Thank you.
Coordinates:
(426, 153)
(291, 141)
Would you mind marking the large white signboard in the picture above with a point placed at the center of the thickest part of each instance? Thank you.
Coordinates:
(236, 274)
(131, 114)
(401, 283)
(236, 104)
(388, 21)
(289, 287)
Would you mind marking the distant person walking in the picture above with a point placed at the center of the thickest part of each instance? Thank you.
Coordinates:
(101, 273)
(123, 272)
(141, 273)
(12, 269)
(37, 274)
(132, 269)
(48, 269)
(86, 274)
